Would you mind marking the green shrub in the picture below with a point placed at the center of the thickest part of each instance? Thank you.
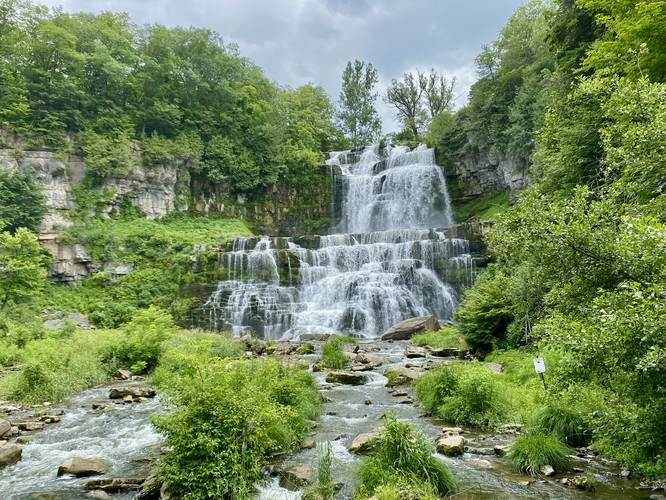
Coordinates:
(563, 422)
(227, 420)
(485, 312)
(443, 338)
(404, 458)
(464, 394)
(21, 202)
(529, 453)
(332, 352)
(142, 338)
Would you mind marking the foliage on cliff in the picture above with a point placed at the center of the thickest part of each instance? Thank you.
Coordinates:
(580, 258)
(101, 86)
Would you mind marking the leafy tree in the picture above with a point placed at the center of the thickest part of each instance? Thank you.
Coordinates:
(437, 92)
(358, 116)
(22, 270)
(21, 202)
(406, 96)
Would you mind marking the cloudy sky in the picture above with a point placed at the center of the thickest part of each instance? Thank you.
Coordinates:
(300, 41)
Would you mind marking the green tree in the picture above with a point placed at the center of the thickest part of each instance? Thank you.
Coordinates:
(358, 116)
(21, 202)
(406, 96)
(22, 269)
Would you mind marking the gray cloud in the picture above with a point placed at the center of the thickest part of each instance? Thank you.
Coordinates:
(300, 41)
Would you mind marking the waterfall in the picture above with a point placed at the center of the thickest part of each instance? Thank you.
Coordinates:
(390, 257)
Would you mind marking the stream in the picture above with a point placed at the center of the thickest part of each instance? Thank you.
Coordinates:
(123, 433)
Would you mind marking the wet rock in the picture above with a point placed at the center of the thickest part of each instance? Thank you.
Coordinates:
(510, 428)
(412, 351)
(343, 377)
(494, 367)
(625, 473)
(481, 451)
(410, 327)
(133, 392)
(366, 362)
(295, 477)
(480, 463)
(317, 337)
(365, 442)
(547, 470)
(5, 427)
(99, 494)
(123, 374)
(308, 444)
(317, 367)
(452, 431)
(114, 485)
(32, 425)
(500, 450)
(81, 467)
(23, 439)
(398, 393)
(367, 402)
(400, 376)
(583, 483)
(10, 454)
(451, 445)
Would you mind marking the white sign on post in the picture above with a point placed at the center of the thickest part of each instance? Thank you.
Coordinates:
(539, 365)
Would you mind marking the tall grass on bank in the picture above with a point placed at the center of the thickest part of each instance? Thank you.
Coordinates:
(333, 355)
(534, 450)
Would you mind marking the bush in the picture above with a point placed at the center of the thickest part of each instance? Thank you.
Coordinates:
(464, 394)
(404, 459)
(21, 202)
(332, 353)
(141, 343)
(485, 312)
(529, 453)
(563, 422)
(228, 419)
(443, 338)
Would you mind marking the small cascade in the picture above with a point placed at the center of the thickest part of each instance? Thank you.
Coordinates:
(390, 258)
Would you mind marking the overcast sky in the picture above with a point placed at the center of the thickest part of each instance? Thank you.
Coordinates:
(301, 41)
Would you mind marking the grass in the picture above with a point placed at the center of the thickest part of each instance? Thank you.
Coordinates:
(324, 489)
(332, 352)
(464, 394)
(404, 459)
(488, 207)
(529, 453)
(561, 421)
(446, 337)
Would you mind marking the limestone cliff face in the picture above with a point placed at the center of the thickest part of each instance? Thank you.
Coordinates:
(485, 171)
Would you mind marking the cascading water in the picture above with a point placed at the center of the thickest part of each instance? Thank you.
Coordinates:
(384, 264)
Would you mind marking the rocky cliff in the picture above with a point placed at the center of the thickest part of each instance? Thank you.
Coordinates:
(484, 171)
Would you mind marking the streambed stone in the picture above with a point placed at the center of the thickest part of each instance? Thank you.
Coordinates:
(5, 427)
(10, 454)
(81, 467)
(413, 351)
(295, 477)
(365, 442)
(451, 445)
(133, 392)
(400, 376)
(343, 377)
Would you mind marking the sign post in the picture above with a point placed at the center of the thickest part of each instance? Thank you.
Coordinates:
(540, 368)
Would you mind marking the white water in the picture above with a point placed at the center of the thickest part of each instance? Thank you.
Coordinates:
(385, 265)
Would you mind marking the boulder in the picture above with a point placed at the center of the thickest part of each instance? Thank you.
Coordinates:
(452, 431)
(448, 352)
(308, 444)
(5, 427)
(123, 374)
(305, 348)
(116, 484)
(295, 477)
(547, 470)
(400, 376)
(413, 351)
(343, 377)
(410, 327)
(494, 367)
(134, 392)
(30, 425)
(81, 467)
(451, 445)
(365, 442)
(10, 454)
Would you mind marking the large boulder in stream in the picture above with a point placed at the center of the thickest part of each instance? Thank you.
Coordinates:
(400, 375)
(407, 329)
(451, 445)
(365, 442)
(343, 377)
(10, 454)
(295, 477)
(5, 427)
(81, 467)
(132, 392)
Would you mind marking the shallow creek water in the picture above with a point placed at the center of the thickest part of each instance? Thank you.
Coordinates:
(124, 433)
(347, 415)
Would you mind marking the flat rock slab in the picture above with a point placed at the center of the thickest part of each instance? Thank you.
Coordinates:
(413, 351)
(401, 376)
(10, 454)
(295, 477)
(81, 467)
(113, 485)
(349, 378)
(365, 442)
(407, 329)
(133, 392)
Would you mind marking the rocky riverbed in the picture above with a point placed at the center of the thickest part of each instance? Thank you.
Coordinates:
(105, 438)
